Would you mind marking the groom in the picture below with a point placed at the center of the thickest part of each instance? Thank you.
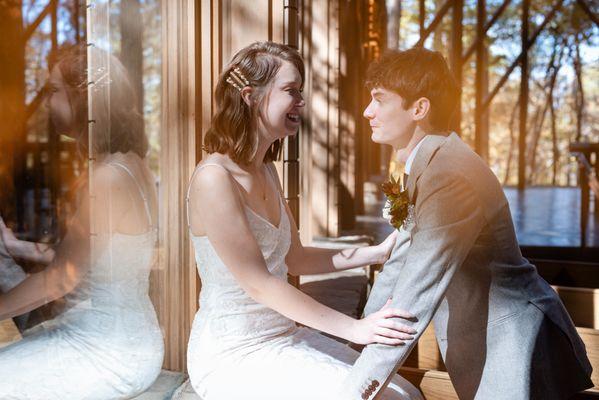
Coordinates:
(502, 331)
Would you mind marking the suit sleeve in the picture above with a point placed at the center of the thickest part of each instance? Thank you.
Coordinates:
(449, 218)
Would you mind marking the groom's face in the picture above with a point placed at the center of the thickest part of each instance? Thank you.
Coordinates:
(390, 123)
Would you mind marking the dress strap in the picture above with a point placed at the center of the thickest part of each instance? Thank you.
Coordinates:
(139, 188)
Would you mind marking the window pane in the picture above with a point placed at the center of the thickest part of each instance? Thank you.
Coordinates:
(80, 173)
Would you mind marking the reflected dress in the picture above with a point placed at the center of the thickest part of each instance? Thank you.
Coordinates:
(107, 344)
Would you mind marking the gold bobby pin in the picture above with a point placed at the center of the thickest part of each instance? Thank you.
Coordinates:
(237, 79)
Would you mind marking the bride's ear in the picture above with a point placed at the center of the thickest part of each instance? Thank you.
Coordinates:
(246, 95)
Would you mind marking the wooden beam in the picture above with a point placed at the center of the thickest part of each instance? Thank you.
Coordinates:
(291, 167)
(175, 283)
(518, 59)
(438, 17)
(488, 26)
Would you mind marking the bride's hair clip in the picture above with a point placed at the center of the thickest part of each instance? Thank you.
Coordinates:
(237, 79)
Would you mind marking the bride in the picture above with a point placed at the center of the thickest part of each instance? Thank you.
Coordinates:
(244, 342)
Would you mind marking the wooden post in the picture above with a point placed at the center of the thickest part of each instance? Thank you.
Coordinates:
(455, 59)
(523, 97)
(176, 285)
(12, 103)
(291, 153)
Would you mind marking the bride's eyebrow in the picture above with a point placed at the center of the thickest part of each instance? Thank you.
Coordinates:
(291, 83)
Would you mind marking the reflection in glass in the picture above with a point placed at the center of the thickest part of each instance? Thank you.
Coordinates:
(105, 341)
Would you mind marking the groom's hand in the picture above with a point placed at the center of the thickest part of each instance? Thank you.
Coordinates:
(379, 327)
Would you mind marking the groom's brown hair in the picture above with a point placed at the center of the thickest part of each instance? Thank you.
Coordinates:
(416, 73)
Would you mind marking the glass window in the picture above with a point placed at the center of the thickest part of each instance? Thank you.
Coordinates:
(80, 170)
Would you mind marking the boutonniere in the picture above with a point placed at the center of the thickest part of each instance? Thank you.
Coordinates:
(398, 209)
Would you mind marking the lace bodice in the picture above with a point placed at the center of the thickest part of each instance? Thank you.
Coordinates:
(224, 303)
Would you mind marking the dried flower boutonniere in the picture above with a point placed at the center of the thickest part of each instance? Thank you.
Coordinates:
(397, 209)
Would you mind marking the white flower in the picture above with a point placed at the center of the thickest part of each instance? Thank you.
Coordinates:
(387, 211)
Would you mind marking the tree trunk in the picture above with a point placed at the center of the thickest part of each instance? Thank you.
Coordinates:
(438, 35)
(511, 150)
(579, 91)
(393, 23)
(553, 140)
(553, 68)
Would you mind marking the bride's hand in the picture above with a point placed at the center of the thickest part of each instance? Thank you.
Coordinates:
(386, 246)
(8, 237)
(379, 327)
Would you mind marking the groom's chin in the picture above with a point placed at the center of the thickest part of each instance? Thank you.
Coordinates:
(377, 138)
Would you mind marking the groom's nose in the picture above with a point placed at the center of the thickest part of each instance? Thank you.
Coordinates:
(368, 114)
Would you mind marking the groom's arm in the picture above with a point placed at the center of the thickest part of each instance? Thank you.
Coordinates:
(449, 218)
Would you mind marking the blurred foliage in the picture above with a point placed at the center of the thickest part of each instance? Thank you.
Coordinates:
(567, 47)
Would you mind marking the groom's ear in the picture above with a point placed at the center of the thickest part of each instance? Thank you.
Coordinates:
(246, 95)
(421, 108)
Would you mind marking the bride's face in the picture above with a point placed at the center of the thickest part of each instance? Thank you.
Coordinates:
(281, 110)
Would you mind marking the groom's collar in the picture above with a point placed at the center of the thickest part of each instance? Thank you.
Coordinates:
(412, 155)
(422, 155)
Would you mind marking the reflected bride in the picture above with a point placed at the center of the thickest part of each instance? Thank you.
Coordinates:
(107, 343)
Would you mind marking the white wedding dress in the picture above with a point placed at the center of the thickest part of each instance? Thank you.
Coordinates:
(241, 349)
(107, 344)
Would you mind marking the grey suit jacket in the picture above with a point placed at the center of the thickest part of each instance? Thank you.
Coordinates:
(502, 331)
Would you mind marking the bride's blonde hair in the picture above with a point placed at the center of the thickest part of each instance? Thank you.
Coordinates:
(233, 129)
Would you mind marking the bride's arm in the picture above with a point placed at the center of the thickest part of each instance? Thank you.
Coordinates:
(313, 260)
(37, 252)
(60, 277)
(216, 201)
(72, 259)
(304, 260)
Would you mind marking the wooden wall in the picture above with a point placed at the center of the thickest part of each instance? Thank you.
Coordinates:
(319, 155)
(338, 40)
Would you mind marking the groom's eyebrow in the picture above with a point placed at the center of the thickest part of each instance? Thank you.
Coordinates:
(378, 94)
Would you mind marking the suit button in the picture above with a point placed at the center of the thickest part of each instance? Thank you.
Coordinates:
(365, 396)
(375, 383)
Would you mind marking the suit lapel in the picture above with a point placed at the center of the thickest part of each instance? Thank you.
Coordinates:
(423, 157)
